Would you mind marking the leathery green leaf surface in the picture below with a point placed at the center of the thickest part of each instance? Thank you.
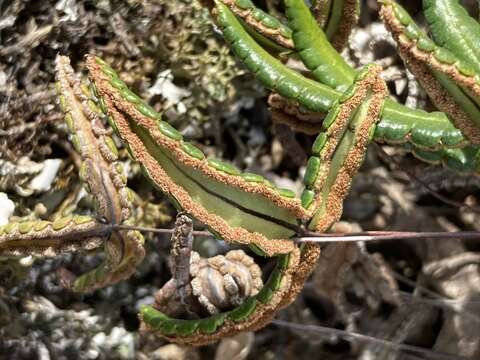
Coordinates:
(467, 101)
(218, 198)
(271, 72)
(310, 40)
(341, 152)
(468, 105)
(396, 122)
(454, 29)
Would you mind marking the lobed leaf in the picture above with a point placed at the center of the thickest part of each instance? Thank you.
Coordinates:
(338, 151)
(263, 26)
(398, 124)
(238, 207)
(50, 238)
(452, 84)
(102, 174)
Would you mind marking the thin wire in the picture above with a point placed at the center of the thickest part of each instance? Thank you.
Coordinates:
(328, 238)
(353, 335)
(158, 231)
(372, 235)
(363, 236)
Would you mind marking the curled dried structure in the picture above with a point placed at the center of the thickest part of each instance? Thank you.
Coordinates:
(222, 282)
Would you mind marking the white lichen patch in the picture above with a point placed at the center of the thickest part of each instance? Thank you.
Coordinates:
(6, 208)
(43, 181)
